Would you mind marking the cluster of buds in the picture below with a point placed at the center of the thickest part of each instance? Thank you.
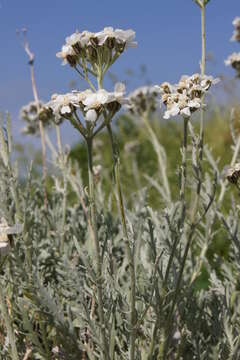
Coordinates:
(32, 113)
(236, 32)
(6, 233)
(233, 175)
(185, 97)
(144, 99)
(97, 49)
(91, 104)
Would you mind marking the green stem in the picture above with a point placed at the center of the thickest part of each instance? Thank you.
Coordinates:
(130, 255)
(97, 248)
(9, 327)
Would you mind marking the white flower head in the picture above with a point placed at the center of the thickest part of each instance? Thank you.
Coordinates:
(85, 47)
(185, 97)
(62, 105)
(97, 99)
(102, 98)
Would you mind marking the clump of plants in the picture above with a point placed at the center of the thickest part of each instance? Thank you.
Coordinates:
(80, 280)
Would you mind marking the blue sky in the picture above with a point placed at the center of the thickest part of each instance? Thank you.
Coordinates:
(167, 31)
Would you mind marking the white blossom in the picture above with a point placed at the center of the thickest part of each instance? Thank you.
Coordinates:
(185, 97)
(73, 39)
(95, 100)
(85, 44)
(125, 37)
(102, 97)
(64, 104)
(66, 52)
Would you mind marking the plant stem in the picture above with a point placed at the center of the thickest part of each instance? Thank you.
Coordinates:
(130, 255)
(9, 327)
(169, 323)
(158, 149)
(97, 247)
(42, 135)
(203, 65)
(201, 133)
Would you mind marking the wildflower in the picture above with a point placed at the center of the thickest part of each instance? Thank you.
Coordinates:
(145, 98)
(63, 105)
(101, 99)
(32, 113)
(234, 61)
(88, 46)
(90, 103)
(185, 97)
(5, 235)
(236, 33)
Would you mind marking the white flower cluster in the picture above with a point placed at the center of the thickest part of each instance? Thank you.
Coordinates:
(91, 104)
(234, 61)
(145, 98)
(89, 46)
(32, 113)
(236, 33)
(185, 97)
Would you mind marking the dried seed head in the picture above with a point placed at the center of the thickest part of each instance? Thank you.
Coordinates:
(32, 113)
(233, 174)
(145, 98)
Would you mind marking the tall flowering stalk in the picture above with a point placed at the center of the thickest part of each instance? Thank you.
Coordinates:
(89, 111)
(183, 99)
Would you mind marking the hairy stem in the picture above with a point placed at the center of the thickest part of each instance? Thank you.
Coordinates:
(183, 212)
(97, 248)
(42, 135)
(130, 255)
(201, 133)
